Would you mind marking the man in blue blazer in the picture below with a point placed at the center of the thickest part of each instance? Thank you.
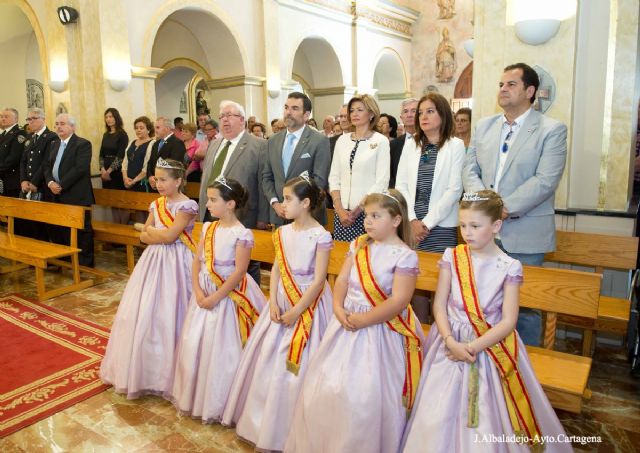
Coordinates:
(520, 154)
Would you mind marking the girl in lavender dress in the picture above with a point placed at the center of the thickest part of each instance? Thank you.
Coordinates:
(140, 354)
(222, 311)
(477, 385)
(360, 384)
(287, 335)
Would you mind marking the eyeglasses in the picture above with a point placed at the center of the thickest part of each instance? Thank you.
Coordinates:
(228, 116)
(33, 118)
(507, 141)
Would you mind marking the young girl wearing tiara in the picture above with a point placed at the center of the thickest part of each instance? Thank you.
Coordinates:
(360, 384)
(140, 354)
(287, 335)
(478, 385)
(223, 309)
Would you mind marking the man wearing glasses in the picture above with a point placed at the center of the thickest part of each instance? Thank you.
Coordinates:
(238, 155)
(32, 183)
(12, 140)
(520, 154)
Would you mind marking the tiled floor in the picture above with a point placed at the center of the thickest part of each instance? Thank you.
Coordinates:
(109, 423)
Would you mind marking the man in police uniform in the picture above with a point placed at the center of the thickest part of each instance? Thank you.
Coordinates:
(32, 184)
(12, 140)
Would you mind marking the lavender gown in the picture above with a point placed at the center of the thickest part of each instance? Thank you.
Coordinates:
(439, 419)
(351, 399)
(264, 393)
(140, 355)
(210, 347)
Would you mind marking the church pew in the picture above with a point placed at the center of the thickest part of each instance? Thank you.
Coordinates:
(117, 233)
(38, 254)
(192, 190)
(601, 252)
(563, 376)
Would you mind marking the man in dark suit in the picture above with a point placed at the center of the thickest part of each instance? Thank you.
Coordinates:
(12, 140)
(167, 146)
(32, 183)
(293, 151)
(238, 155)
(408, 117)
(67, 173)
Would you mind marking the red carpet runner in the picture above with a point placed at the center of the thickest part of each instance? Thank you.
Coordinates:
(49, 360)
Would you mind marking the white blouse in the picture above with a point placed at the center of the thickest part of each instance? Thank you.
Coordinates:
(370, 172)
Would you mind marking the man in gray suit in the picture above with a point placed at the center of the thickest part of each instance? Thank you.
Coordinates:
(520, 154)
(292, 151)
(235, 154)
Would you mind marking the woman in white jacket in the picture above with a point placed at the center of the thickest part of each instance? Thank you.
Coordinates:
(360, 166)
(430, 175)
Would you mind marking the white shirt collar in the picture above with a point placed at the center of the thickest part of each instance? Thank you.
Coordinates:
(234, 141)
(297, 133)
(10, 127)
(519, 121)
(41, 131)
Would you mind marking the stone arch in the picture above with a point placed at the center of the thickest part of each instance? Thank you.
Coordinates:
(32, 17)
(389, 79)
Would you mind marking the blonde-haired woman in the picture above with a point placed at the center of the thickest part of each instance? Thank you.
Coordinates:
(360, 167)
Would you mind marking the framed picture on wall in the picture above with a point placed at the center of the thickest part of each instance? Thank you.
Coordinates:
(35, 94)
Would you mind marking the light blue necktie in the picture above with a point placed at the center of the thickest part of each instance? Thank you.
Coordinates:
(161, 144)
(287, 152)
(56, 165)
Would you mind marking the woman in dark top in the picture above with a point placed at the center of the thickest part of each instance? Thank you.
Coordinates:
(114, 145)
(134, 166)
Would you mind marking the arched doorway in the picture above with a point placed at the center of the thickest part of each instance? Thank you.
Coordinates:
(317, 71)
(389, 81)
(26, 85)
(198, 53)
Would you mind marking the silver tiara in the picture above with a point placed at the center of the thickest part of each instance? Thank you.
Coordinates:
(473, 196)
(161, 163)
(386, 193)
(222, 180)
(305, 175)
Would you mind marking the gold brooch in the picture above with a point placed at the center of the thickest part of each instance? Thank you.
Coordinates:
(373, 145)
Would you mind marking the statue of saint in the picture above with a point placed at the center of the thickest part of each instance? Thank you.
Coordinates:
(445, 58)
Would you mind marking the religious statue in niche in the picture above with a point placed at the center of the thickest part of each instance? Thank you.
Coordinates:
(183, 102)
(61, 109)
(445, 58)
(35, 95)
(201, 103)
(447, 9)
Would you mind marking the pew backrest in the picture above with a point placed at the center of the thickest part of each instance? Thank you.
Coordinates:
(65, 215)
(124, 199)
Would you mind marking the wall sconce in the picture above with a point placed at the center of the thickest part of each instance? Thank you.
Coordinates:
(536, 31)
(119, 84)
(273, 87)
(468, 47)
(58, 85)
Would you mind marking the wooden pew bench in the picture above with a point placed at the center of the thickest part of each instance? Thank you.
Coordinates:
(600, 252)
(117, 233)
(39, 254)
(563, 376)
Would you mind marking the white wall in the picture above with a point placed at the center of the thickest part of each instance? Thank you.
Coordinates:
(169, 90)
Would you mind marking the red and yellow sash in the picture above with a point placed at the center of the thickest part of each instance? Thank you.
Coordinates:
(167, 220)
(246, 312)
(504, 354)
(303, 325)
(403, 326)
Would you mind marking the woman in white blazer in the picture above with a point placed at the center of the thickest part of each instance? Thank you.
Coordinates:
(360, 166)
(430, 175)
